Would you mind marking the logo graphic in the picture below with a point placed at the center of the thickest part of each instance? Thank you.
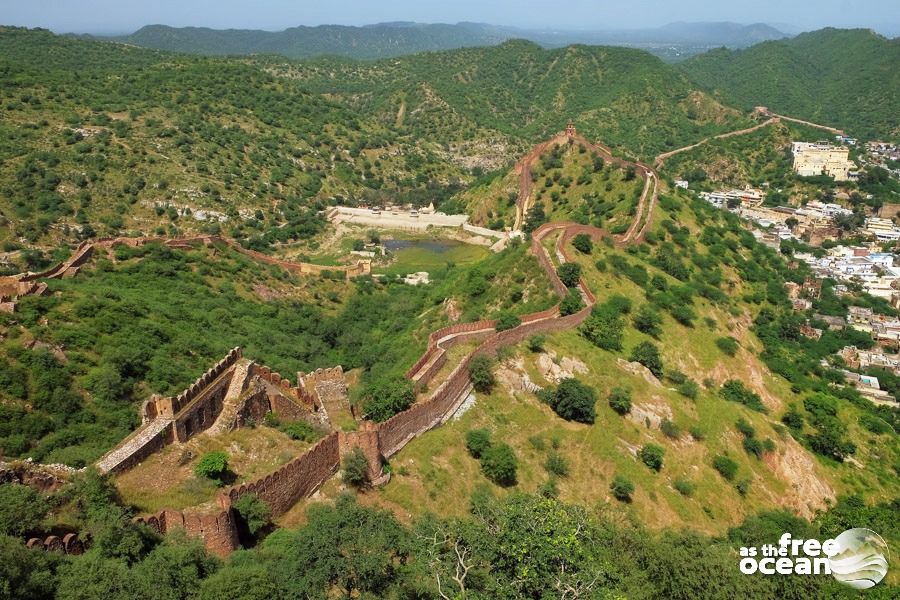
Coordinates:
(862, 560)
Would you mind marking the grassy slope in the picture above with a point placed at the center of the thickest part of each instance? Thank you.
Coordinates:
(435, 473)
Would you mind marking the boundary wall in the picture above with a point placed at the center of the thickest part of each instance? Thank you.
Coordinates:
(68, 544)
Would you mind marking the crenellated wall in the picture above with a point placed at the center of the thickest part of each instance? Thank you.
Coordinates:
(166, 420)
(68, 544)
(298, 479)
(218, 531)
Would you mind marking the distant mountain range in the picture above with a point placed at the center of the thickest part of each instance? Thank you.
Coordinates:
(386, 40)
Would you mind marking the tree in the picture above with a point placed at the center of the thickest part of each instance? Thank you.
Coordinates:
(477, 441)
(648, 320)
(652, 456)
(507, 320)
(386, 397)
(481, 371)
(346, 550)
(571, 304)
(622, 488)
(499, 464)
(573, 401)
(22, 510)
(256, 514)
(569, 273)
(604, 328)
(355, 468)
(583, 243)
(213, 466)
(648, 355)
(620, 400)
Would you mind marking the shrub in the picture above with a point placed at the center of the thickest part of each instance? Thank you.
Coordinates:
(735, 391)
(604, 329)
(652, 456)
(648, 355)
(683, 315)
(728, 345)
(745, 428)
(685, 487)
(255, 513)
(769, 445)
(536, 342)
(793, 418)
(301, 430)
(583, 243)
(620, 400)
(571, 304)
(726, 467)
(573, 401)
(622, 488)
(670, 429)
(556, 464)
(507, 320)
(213, 466)
(537, 442)
(753, 446)
(569, 274)
(477, 441)
(355, 468)
(499, 464)
(481, 371)
(688, 389)
(22, 510)
(743, 486)
(386, 397)
(648, 320)
(697, 432)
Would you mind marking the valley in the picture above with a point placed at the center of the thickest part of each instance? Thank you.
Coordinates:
(598, 349)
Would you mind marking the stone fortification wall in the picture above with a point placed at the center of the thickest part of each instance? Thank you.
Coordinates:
(296, 480)
(435, 341)
(218, 531)
(166, 420)
(68, 544)
(171, 406)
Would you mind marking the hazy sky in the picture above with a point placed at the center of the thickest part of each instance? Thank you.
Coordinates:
(125, 16)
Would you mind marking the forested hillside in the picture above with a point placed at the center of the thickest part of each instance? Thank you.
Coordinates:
(101, 138)
(843, 78)
(372, 41)
(626, 97)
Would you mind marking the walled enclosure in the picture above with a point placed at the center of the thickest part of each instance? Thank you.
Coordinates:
(181, 417)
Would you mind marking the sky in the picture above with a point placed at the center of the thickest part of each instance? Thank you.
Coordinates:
(126, 16)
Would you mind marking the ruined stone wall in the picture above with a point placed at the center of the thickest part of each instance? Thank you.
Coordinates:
(253, 407)
(137, 447)
(285, 408)
(202, 411)
(296, 480)
(68, 544)
(218, 531)
(178, 403)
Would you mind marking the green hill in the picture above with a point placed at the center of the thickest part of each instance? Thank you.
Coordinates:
(372, 41)
(628, 98)
(844, 78)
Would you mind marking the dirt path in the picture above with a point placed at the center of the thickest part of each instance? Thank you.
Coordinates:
(762, 110)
